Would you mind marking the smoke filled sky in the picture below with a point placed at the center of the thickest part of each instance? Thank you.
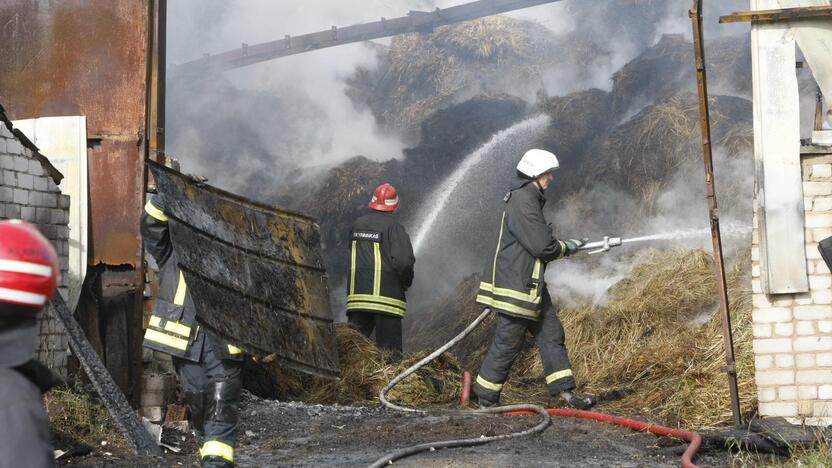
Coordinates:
(253, 127)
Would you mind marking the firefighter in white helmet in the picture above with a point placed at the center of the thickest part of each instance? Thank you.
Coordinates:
(28, 277)
(513, 285)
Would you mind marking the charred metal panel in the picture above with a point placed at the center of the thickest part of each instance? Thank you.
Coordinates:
(86, 57)
(256, 273)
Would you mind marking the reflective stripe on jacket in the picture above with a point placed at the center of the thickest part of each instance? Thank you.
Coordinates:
(381, 265)
(172, 328)
(512, 281)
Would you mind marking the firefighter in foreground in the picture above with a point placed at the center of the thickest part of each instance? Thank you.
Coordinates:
(513, 286)
(381, 270)
(208, 368)
(28, 276)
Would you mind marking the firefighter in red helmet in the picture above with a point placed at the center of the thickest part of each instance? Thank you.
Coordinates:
(28, 277)
(381, 270)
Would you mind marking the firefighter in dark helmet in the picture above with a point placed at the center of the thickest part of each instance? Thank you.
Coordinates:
(208, 368)
(513, 285)
(381, 270)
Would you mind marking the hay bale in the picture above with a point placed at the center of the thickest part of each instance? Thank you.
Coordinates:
(668, 67)
(654, 348)
(646, 344)
(641, 156)
(422, 73)
(365, 370)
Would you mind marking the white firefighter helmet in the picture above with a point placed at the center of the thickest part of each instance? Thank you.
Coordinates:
(537, 162)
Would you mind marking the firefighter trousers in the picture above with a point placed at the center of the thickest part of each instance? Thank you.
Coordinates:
(388, 328)
(212, 390)
(508, 341)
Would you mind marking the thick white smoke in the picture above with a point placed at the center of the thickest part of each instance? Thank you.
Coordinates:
(681, 213)
(250, 128)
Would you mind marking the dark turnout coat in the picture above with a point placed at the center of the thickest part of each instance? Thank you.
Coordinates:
(512, 281)
(24, 427)
(381, 265)
(173, 328)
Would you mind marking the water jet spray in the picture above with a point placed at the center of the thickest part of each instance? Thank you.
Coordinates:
(609, 242)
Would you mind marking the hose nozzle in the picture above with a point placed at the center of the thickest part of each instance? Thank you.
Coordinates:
(602, 245)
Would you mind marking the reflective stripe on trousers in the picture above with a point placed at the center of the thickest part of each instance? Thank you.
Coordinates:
(509, 337)
(215, 448)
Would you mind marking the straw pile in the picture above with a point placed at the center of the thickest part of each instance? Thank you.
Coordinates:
(576, 120)
(365, 370)
(646, 344)
(641, 155)
(654, 349)
(668, 67)
(426, 72)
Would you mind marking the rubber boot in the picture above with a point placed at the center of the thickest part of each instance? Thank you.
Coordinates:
(581, 402)
(485, 404)
(216, 462)
(223, 417)
(196, 405)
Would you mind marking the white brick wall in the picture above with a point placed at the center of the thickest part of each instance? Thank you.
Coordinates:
(27, 192)
(793, 332)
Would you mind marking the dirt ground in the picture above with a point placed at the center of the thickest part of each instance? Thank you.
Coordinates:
(281, 434)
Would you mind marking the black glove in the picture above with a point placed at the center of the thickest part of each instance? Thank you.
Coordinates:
(572, 246)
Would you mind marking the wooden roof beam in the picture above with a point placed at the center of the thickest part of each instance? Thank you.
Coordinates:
(770, 16)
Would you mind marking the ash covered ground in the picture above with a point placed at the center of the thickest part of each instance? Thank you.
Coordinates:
(290, 434)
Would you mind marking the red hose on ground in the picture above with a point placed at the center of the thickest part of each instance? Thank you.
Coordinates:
(694, 439)
(465, 394)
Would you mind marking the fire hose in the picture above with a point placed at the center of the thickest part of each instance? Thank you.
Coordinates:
(687, 458)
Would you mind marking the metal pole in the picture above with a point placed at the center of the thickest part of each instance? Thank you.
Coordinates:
(818, 109)
(156, 82)
(704, 121)
(130, 425)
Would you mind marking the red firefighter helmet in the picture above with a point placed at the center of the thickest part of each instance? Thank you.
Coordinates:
(385, 198)
(28, 266)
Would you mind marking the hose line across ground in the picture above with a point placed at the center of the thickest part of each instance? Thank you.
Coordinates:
(521, 409)
(694, 439)
(687, 458)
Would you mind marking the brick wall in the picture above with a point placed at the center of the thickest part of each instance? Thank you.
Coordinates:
(793, 332)
(28, 191)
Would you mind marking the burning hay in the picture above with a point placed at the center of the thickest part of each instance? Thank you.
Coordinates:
(654, 349)
(641, 155)
(658, 341)
(365, 370)
(427, 72)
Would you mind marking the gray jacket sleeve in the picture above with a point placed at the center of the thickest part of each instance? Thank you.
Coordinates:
(527, 224)
(24, 429)
(401, 254)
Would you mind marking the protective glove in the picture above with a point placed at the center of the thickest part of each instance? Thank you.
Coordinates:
(572, 246)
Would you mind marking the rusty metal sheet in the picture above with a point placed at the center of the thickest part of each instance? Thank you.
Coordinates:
(86, 57)
(256, 273)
